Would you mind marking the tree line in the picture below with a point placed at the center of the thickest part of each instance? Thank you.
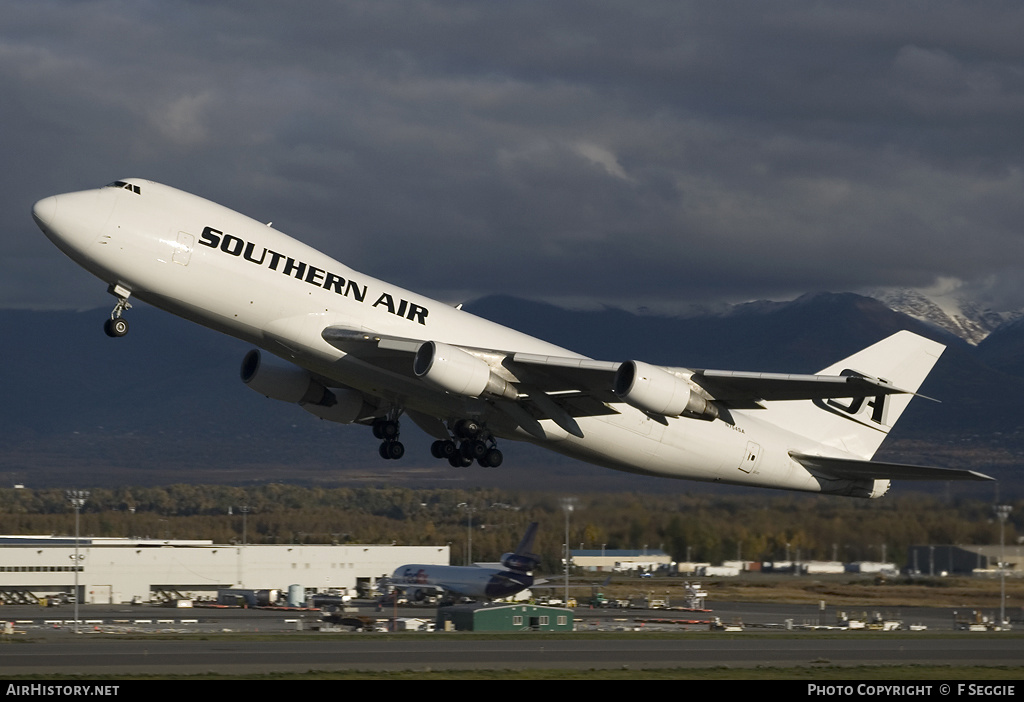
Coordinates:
(693, 526)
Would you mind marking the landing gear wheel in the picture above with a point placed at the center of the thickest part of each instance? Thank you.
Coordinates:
(443, 449)
(392, 450)
(491, 459)
(473, 450)
(116, 327)
(472, 443)
(458, 461)
(385, 429)
(396, 449)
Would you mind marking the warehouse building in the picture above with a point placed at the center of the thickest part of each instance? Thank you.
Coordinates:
(120, 570)
(965, 560)
(617, 560)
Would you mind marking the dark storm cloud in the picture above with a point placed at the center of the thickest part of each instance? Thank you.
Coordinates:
(603, 152)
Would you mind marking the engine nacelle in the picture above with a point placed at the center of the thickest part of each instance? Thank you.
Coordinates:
(349, 405)
(652, 389)
(458, 372)
(283, 381)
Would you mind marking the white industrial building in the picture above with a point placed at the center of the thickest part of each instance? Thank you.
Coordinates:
(616, 560)
(118, 570)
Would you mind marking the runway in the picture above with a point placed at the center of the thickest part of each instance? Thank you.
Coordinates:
(55, 650)
(86, 654)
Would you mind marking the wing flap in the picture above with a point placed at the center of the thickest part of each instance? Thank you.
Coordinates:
(563, 373)
(390, 353)
(853, 469)
(360, 342)
(737, 388)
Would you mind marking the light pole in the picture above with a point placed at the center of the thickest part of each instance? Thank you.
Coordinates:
(469, 531)
(244, 509)
(1002, 512)
(77, 499)
(568, 505)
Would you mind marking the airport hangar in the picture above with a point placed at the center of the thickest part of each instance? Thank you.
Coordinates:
(121, 570)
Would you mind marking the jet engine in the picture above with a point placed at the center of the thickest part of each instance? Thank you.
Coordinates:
(452, 369)
(282, 381)
(653, 389)
(348, 406)
(416, 595)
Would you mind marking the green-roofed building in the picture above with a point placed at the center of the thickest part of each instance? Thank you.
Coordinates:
(504, 617)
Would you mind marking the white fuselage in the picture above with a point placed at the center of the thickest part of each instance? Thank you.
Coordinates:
(467, 581)
(230, 273)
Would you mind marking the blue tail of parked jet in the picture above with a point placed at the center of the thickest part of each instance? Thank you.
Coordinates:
(523, 560)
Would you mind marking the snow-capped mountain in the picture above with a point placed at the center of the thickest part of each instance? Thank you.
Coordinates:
(954, 312)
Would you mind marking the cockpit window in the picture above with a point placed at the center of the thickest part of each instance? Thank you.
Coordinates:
(125, 186)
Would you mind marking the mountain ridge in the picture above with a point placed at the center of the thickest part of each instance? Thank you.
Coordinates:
(165, 403)
(957, 313)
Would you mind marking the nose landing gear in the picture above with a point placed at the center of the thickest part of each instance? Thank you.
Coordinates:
(117, 326)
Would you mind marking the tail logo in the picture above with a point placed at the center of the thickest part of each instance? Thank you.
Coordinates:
(869, 411)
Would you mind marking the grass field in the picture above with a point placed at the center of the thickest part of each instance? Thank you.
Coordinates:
(809, 673)
(839, 590)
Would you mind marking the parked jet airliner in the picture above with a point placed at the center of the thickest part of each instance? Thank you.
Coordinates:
(353, 349)
(420, 581)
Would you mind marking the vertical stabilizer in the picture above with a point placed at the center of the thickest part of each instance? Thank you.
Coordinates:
(859, 425)
(523, 559)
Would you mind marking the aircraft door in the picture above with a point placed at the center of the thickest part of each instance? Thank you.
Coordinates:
(751, 457)
(183, 248)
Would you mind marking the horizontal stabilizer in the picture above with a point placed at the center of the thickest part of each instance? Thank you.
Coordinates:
(734, 386)
(852, 469)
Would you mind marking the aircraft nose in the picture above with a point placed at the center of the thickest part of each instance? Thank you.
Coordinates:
(45, 211)
(74, 220)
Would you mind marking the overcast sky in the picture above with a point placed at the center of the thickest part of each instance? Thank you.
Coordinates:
(655, 153)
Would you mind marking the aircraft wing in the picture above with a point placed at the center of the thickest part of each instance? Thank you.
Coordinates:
(567, 374)
(389, 352)
(853, 469)
(563, 387)
(538, 387)
(555, 374)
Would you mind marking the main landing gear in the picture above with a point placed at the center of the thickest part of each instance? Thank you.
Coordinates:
(387, 430)
(475, 444)
(117, 326)
(471, 444)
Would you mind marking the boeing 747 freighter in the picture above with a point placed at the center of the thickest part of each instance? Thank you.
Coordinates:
(352, 349)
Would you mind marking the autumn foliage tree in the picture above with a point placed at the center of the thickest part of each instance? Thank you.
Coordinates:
(695, 526)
